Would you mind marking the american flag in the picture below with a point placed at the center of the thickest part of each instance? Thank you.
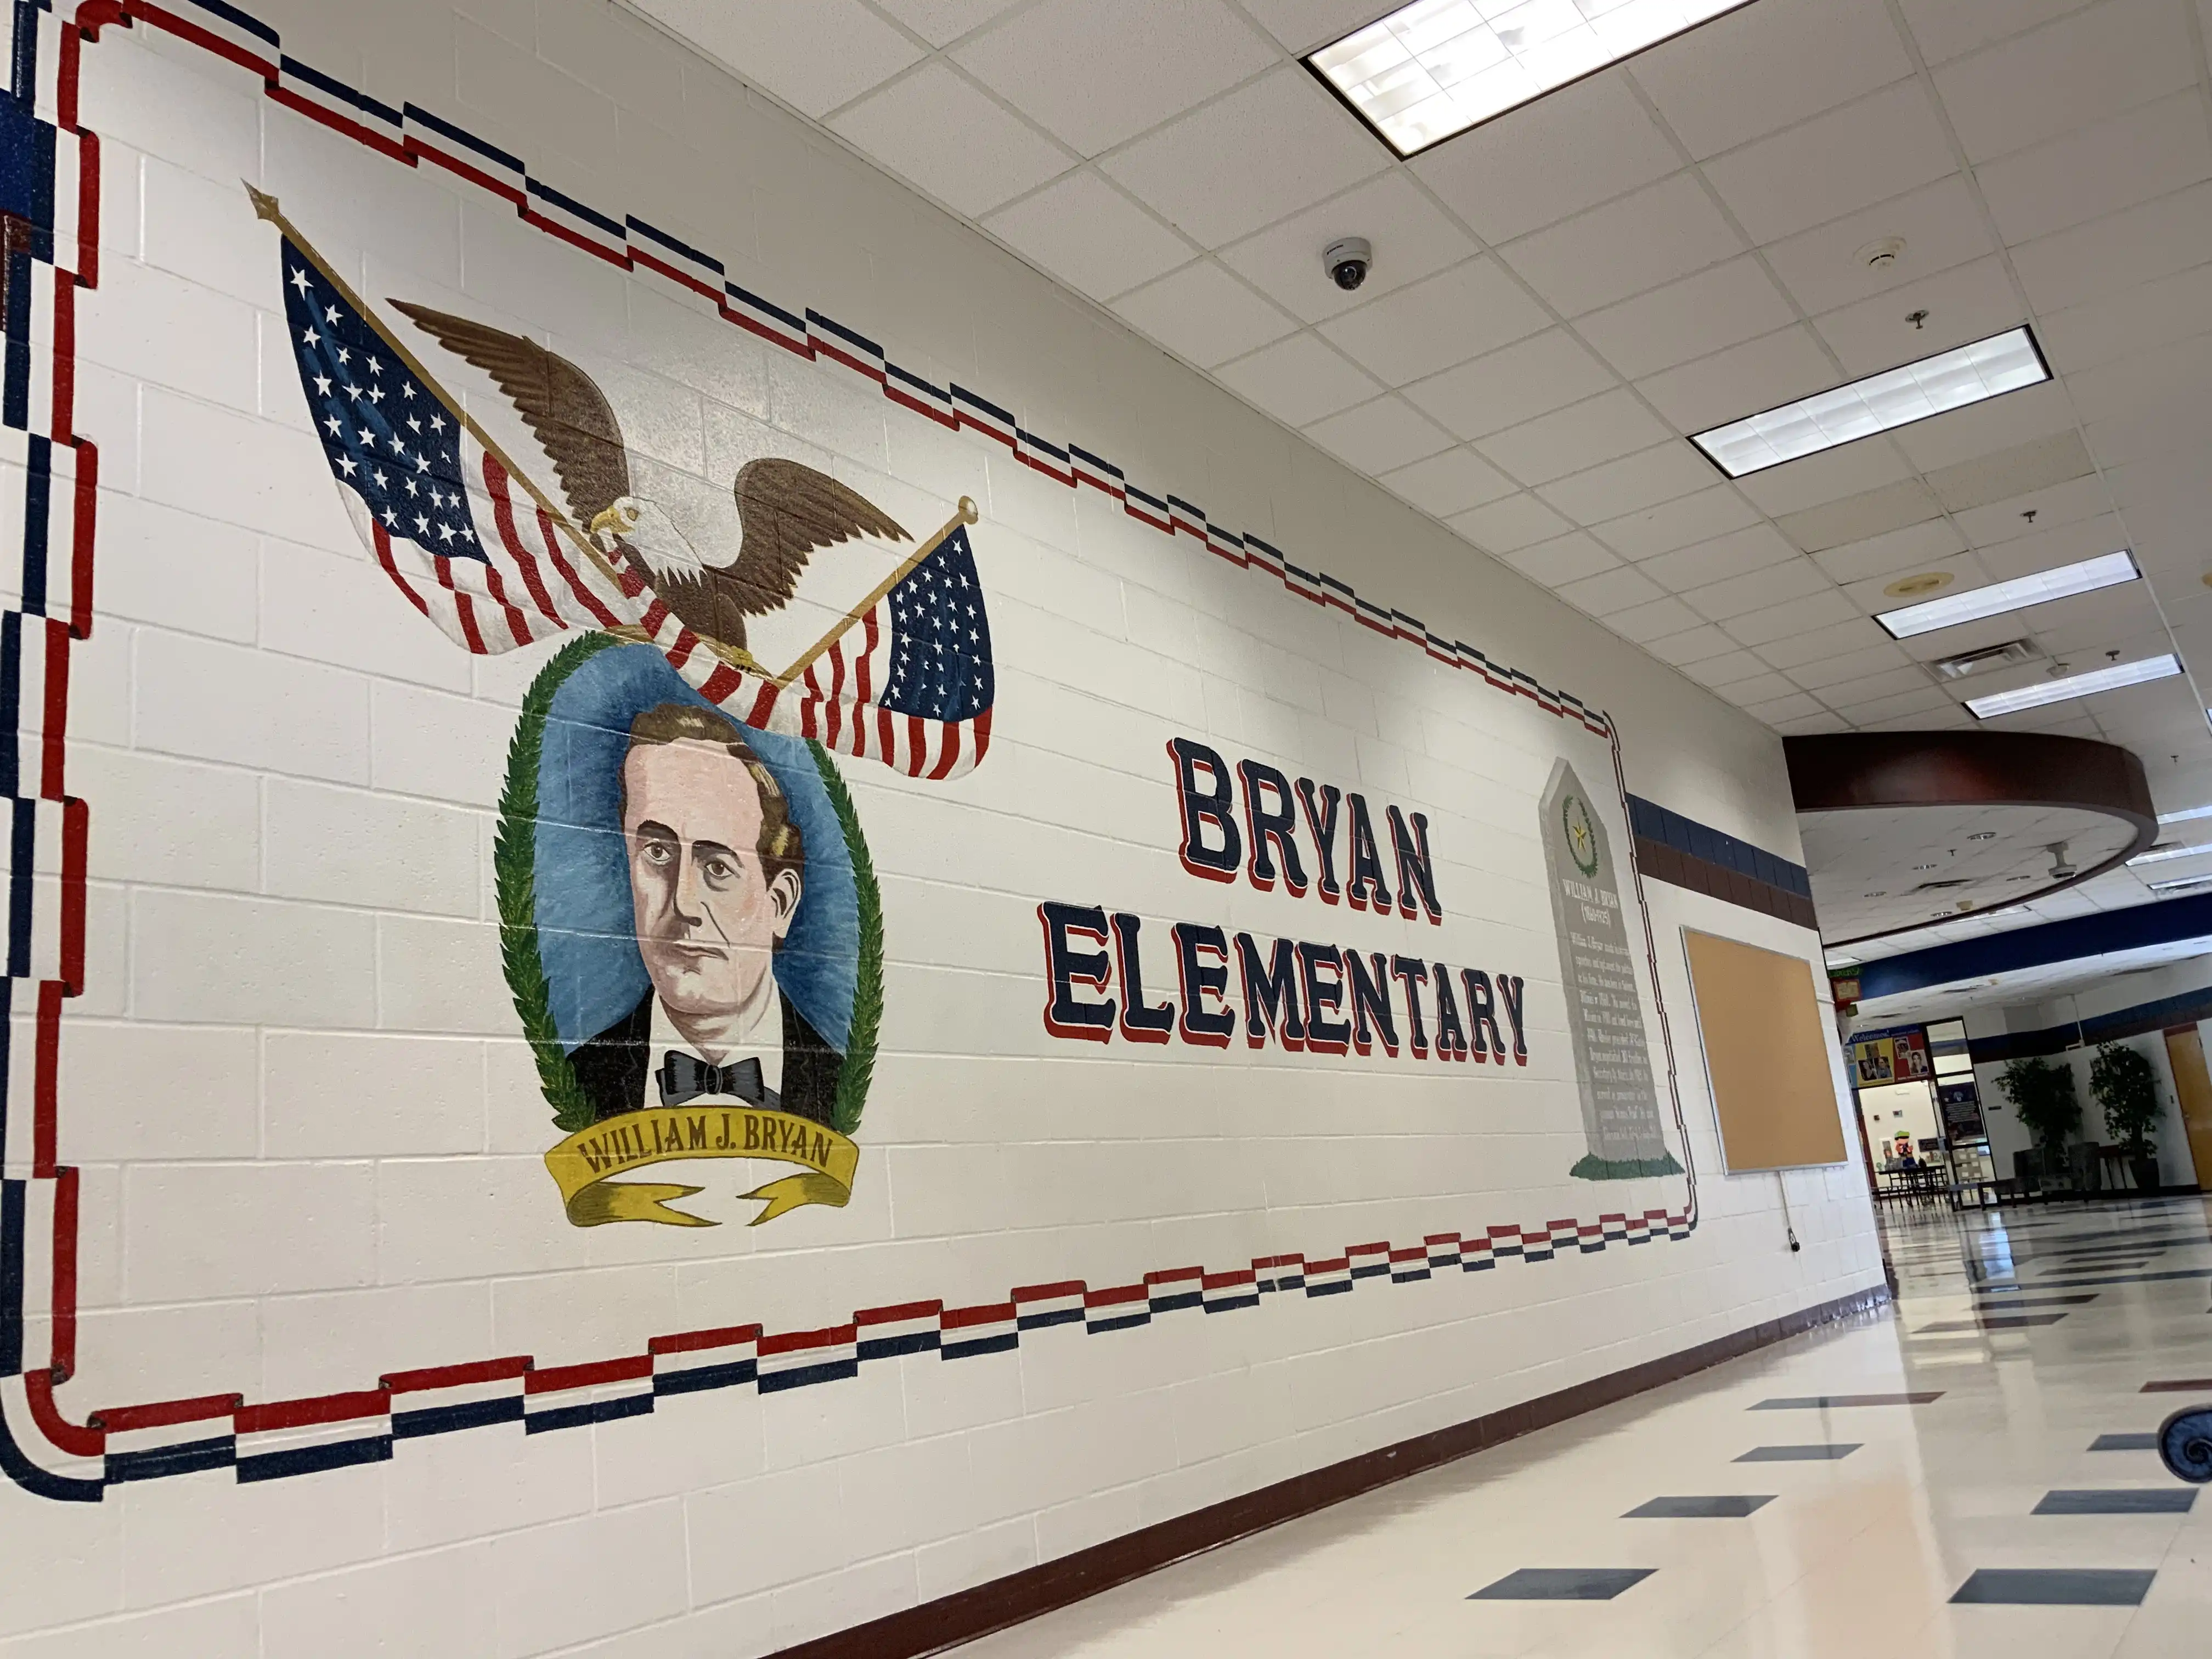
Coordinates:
(908, 681)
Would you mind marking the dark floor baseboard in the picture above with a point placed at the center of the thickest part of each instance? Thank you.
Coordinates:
(968, 1614)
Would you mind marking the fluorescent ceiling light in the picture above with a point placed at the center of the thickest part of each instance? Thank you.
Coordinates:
(1897, 397)
(2073, 685)
(2192, 813)
(2161, 854)
(2180, 882)
(1438, 67)
(2106, 570)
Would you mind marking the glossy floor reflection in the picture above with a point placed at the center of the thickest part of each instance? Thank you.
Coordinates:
(1969, 1473)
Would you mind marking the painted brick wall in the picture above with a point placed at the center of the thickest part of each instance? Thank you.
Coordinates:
(296, 1141)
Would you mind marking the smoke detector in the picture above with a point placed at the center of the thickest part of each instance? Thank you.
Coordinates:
(1881, 255)
(1993, 656)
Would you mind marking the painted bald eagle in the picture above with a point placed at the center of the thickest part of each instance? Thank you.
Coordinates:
(786, 510)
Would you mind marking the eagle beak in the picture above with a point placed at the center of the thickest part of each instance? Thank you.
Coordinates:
(611, 521)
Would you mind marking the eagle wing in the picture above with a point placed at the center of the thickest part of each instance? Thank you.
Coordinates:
(562, 405)
(785, 511)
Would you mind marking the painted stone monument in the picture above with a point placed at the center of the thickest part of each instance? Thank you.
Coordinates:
(1605, 1010)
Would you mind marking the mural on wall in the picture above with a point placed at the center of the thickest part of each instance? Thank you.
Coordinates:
(1605, 1009)
(690, 923)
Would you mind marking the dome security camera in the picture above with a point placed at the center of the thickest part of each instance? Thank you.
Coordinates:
(1346, 260)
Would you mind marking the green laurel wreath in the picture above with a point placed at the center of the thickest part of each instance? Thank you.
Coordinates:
(514, 870)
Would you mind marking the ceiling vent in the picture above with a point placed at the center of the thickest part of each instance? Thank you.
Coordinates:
(1935, 886)
(1995, 656)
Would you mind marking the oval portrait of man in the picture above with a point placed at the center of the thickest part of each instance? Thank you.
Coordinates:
(692, 936)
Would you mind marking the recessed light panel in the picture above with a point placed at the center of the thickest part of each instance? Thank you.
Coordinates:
(2187, 813)
(2106, 570)
(2180, 883)
(2166, 855)
(2073, 685)
(1438, 67)
(1879, 403)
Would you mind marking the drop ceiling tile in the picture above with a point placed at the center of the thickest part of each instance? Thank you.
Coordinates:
(1435, 324)
(1931, 544)
(1601, 595)
(941, 22)
(1664, 231)
(1653, 621)
(1204, 315)
(2059, 504)
(1297, 381)
(1905, 705)
(1987, 429)
(756, 40)
(1376, 436)
(936, 130)
(1691, 644)
(1411, 238)
(1722, 307)
(1863, 465)
(1825, 267)
(1659, 474)
(1768, 691)
(1572, 439)
(1737, 554)
(1584, 144)
(1872, 688)
(1802, 712)
(1086, 232)
(1860, 517)
(1711, 512)
(1270, 147)
(1804, 725)
(1793, 651)
(1530, 378)
(1742, 379)
(1508, 525)
(1563, 559)
(1302, 25)
(1847, 160)
(2118, 251)
(2093, 170)
(1826, 609)
(1448, 484)
(1769, 64)
(2105, 330)
(1755, 590)
(1950, 29)
(1965, 303)
(1850, 665)
(1734, 666)
(2091, 63)
(2054, 458)
(1095, 72)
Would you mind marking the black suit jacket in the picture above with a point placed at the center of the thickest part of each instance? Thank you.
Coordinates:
(615, 1067)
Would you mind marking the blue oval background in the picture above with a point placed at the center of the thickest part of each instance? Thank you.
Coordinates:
(587, 934)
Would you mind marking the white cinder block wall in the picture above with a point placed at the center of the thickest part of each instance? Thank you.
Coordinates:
(308, 1136)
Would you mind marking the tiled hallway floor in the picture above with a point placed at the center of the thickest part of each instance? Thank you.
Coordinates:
(1749, 1512)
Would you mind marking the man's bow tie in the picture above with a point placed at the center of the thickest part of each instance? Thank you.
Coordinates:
(686, 1077)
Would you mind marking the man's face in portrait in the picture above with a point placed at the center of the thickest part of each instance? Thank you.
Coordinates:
(708, 913)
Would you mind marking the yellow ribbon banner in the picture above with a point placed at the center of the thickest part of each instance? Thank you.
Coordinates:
(580, 1165)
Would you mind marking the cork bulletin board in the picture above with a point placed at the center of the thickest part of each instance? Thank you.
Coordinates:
(1767, 1054)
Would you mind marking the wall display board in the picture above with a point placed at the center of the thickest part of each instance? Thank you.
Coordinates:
(630, 910)
(1899, 1056)
(1766, 1052)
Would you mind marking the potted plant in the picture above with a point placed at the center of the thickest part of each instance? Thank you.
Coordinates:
(2127, 1089)
(2042, 1095)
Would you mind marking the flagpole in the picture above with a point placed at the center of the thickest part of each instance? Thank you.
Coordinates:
(967, 514)
(265, 207)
